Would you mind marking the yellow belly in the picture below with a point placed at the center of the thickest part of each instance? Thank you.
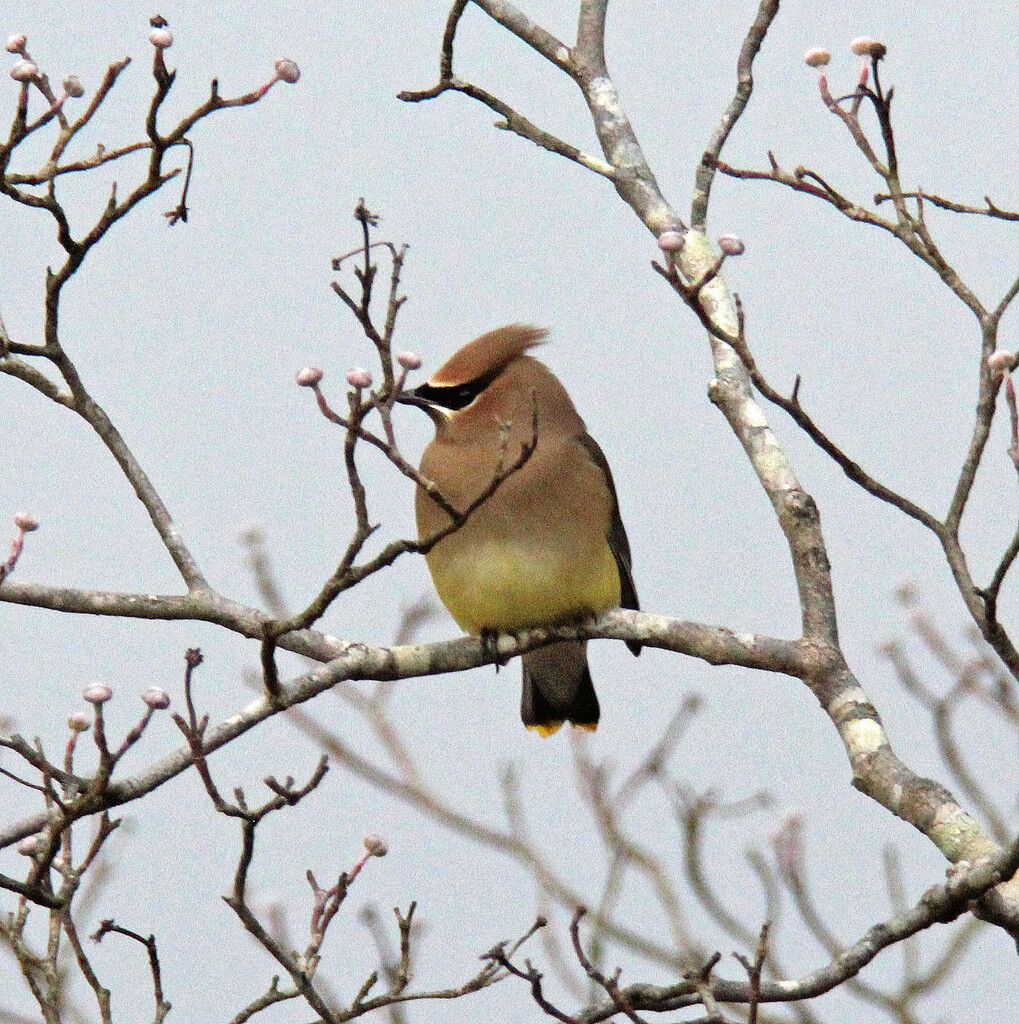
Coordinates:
(500, 586)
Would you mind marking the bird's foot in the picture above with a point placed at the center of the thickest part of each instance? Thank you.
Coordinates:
(490, 647)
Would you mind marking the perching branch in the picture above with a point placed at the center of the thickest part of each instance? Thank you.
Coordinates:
(877, 771)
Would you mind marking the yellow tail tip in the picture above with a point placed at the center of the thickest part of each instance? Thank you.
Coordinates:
(551, 728)
(546, 728)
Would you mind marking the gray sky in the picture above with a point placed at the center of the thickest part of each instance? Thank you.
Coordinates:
(190, 337)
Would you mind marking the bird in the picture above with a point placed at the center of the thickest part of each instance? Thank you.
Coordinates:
(548, 546)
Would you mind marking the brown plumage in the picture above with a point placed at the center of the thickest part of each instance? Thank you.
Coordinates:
(548, 546)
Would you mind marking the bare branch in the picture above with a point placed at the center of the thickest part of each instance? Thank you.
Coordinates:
(744, 87)
(989, 210)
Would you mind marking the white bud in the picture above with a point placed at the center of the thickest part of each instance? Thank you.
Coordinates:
(731, 245)
(80, 721)
(671, 241)
(97, 693)
(358, 377)
(376, 846)
(309, 376)
(26, 523)
(816, 57)
(1002, 362)
(287, 70)
(409, 360)
(156, 698)
(24, 71)
(28, 846)
(17, 43)
(73, 86)
(161, 38)
(864, 46)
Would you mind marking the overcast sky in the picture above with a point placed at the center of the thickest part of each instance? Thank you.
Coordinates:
(190, 338)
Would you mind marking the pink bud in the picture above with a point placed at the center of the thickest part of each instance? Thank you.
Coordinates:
(731, 245)
(376, 846)
(73, 86)
(409, 360)
(28, 846)
(156, 698)
(864, 46)
(80, 721)
(24, 71)
(358, 377)
(671, 241)
(309, 376)
(26, 523)
(17, 43)
(815, 57)
(161, 38)
(287, 70)
(1001, 363)
(97, 693)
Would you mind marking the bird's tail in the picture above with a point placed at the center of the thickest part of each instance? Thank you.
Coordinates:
(558, 688)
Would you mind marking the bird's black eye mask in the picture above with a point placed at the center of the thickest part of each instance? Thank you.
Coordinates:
(456, 396)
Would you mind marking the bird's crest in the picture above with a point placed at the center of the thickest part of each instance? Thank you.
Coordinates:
(487, 355)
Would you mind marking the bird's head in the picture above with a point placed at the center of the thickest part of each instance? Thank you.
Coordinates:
(468, 373)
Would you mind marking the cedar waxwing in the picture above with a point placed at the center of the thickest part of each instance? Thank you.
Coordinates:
(548, 546)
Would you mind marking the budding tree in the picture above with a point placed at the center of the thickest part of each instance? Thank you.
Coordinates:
(641, 909)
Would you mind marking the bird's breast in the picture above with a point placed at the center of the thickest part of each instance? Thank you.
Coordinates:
(507, 585)
(536, 551)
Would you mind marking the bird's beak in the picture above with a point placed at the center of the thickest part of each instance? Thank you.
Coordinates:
(412, 398)
(438, 416)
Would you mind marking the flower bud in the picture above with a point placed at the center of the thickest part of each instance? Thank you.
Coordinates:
(26, 523)
(358, 377)
(161, 38)
(375, 845)
(731, 245)
(864, 46)
(80, 721)
(287, 70)
(409, 360)
(24, 71)
(17, 43)
(816, 57)
(73, 86)
(1001, 363)
(309, 376)
(156, 698)
(28, 846)
(97, 693)
(671, 241)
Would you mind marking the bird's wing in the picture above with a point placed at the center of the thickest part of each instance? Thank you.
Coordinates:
(618, 542)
